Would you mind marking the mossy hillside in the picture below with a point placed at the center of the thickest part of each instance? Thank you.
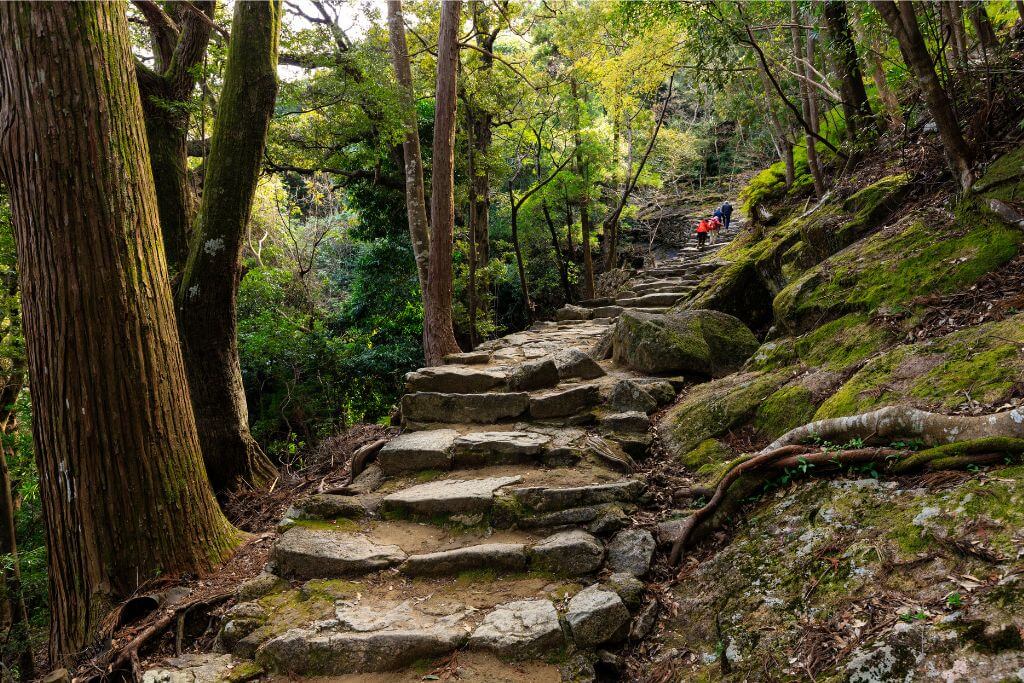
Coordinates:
(710, 410)
(1004, 178)
(982, 363)
(813, 554)
(789, 407)
(838, 345)
(891, 268)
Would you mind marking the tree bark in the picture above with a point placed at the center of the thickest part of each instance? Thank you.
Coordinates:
(165, 94)
(583, 169)
(559, 261)
(782, 138)
(207, 296)
(856, 108)
(890, 103)
(415, 202)
(806, 99)
(902, 22)
(983, 26)
(124, 492)
(438, 334)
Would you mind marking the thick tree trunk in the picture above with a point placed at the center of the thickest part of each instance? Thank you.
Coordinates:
(124, 492)
(207, 296)
(856, 108)
(902, 21)
(806, 99)
(438, 335)
(415, 202)
(13, 597)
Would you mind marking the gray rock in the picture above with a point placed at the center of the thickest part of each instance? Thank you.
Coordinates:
(607, 311)
(699, 341)
(312, 554)
(240, 621)
(493, 448)
(559, 518)
(652, 300)
(500, 556)
(661, 390)
(540, 374)
(329, 506)
(612, 518)
(448, 496)
(568, 553)
(564, 402)
(413, 451)
(634, 444)
(573, 363)
(630, 421)
(367, 481)
(259, 586)
(309, 653)
(468, 358)
(520, 630)
(543, 499)
(570, 312)
(629, 588)
(204, 667)
(453, 379)
(595, 615)
(597, 302)
(428, 406)
(628, 396)
(603, 348)
(644, 621)
(631, 551)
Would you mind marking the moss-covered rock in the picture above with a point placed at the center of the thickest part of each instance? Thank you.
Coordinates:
(707, 452)
(709, 410)
(982, 363)
(787, 408)
(700, 342)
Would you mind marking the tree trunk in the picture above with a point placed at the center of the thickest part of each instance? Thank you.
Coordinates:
(415, 202)
(902, 22)
(207, 296)
(890, 103)
(806, 100)
(438, 335)
(856, 108)
(124, 492)
(165, 105)
(13, 597)
(559, 261)
(524, 285)
(1020, 8)
(782, 137)
(983, 27)
(956, 17)
(583, 169)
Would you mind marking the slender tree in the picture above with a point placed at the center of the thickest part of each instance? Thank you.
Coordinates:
(438, 335)
(124, 491)
(807, 102)
(415, 202)
(856, 108)
(207, 296)
(902, 22)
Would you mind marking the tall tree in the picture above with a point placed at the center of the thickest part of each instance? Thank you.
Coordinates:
(179, 34)
(207, 295)
(856, 108)
(415, 202)
(899, 15)
(807, 101)
(124, 491)
(438, 334)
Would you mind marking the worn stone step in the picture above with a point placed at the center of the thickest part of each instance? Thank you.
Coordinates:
(447, 497)
(521, 629)
(304, 553)
(546, 499)
(493, 556)
(445, 449)
(656, 299)
(428, 406)
(477, 357)
(564, 402)
(454, 379)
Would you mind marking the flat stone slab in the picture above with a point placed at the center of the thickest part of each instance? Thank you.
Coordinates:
(453, 379)
(414, 451)
(595, 615)
(632, 421)
(499, 556)
(573, 363)
(312, 554)
(568, 553)
(653, 300)
(564, 402)
(543, 499)
(494, 448)
(311, 653)
(330, 506)
(427, 406)
(520, 630)
(468, 358)
(448, 496)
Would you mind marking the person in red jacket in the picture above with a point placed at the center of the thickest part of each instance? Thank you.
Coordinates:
(702, 233)
(714, 225)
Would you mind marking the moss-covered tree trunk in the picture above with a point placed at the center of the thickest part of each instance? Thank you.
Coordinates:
(208, 293)
(438, 334)
(124, 491)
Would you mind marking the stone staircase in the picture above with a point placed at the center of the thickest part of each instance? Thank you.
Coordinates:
(497, 525)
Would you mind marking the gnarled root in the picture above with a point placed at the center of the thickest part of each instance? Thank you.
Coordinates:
(979, 448)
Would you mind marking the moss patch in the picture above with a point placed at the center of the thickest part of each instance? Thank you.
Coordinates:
(787, 408)
(707, 452)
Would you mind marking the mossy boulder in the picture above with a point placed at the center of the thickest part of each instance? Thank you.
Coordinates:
(787, 408)
(707, 452)
(700, 342)
(710, 410)
(983, 363)
(894, 266)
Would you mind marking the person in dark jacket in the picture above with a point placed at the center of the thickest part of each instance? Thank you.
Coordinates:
(726, 210)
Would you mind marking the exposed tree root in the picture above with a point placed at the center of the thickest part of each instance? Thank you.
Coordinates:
(955, 442)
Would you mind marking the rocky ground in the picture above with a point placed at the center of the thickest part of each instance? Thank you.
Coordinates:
(496, 536)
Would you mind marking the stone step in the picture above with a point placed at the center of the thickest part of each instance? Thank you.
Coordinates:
(446, 497)
(429, 406)
(658, 287)
(455, 379)
(303, 553)
(656, 299)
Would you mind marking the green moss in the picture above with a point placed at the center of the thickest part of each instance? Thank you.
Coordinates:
(842, 343)
(244, 671)
(329, 524)
(707, 452)
(787, 408)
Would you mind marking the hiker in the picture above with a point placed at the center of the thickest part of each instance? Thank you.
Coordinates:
(702, 233)
(726, 210)
(714, 225)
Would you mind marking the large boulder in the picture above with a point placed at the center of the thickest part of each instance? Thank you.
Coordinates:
(701, 342)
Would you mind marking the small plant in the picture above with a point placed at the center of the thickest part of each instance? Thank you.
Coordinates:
(954, 600)
(911, 617)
